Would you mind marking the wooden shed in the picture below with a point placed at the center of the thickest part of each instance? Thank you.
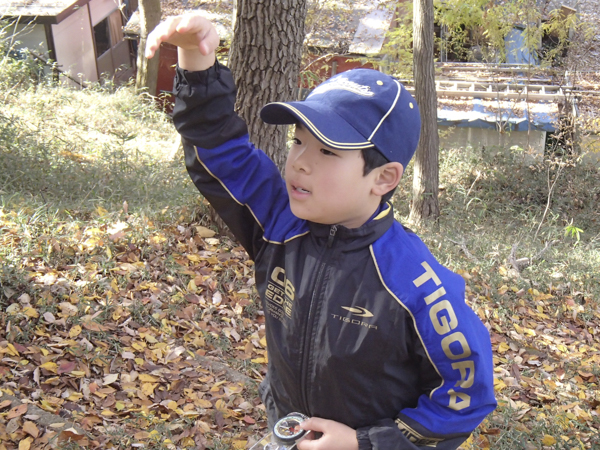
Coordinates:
(84, 37)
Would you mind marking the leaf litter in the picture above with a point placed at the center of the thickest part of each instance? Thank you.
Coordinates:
(151, 336)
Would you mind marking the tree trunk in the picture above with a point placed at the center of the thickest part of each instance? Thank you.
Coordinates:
(265, 58)
(426, 167)
(147, 69)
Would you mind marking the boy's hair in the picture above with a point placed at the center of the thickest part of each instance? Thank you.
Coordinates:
(374, 159)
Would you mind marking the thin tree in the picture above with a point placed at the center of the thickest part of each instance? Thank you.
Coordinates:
(265, 58)
(147, 69)
(425, 203)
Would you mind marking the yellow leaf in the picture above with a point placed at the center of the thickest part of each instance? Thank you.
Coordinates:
(30, 312)
(204, 232)
(263, 342)
(172, 405)
(158, 239)
(220, 405)
(548, 440)
(217, 386)
(25, 444)
(12, 350)
(148, 388)
(48, 406)
(138, 346)
(259, 360)
(189, 442)
(503, 347)
(49, 366)
(499, 385)
(139, 361)
(107, 413)
(101, 211)
(74, 331)
(74, 397)
(77, 373)
(151, 339)
(144, 377)
(120, 406)
(191, 287)
(239, 445)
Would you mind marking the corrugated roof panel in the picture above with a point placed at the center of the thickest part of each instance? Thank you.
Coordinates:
(47, 8)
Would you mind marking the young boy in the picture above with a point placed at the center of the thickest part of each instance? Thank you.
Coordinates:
(367, 333)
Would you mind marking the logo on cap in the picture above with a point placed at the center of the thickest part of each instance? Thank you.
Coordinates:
(342, 83)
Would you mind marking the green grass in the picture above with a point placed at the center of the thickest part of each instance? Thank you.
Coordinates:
(491, 200)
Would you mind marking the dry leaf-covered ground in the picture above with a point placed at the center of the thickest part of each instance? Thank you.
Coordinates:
(117, 326)
(123, 335)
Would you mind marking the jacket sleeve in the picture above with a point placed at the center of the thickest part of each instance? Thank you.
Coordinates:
(456, 372)
(241, 182)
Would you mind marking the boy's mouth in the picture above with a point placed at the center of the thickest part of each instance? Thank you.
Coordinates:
(301, 190)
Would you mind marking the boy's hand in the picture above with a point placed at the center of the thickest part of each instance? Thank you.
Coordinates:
(193, 34)
(336, 436)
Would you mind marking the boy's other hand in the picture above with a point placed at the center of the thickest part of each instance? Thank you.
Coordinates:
(336, 436)
(194, 35)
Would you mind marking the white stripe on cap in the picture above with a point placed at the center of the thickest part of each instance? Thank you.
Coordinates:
(333, 144)
(389, 111)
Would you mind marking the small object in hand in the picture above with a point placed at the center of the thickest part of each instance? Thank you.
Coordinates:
(287, 429)
(286, 434)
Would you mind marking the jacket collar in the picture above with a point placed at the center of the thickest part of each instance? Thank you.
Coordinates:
(354, 238)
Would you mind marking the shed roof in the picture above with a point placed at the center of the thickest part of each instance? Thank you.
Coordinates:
(37, 7)
(43, 11)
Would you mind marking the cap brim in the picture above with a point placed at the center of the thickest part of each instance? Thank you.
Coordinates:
(331, 130)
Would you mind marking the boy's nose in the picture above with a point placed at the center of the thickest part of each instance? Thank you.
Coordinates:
(300, 161)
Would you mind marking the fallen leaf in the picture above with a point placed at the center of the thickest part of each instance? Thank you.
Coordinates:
(548, 440)
(110, 378)
(74, 331)
(25, 444)
(17, 411)
(31, 429)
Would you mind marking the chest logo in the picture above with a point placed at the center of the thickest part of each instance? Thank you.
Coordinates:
(358, 311)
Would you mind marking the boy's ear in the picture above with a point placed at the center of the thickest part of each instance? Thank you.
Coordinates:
(387, 178)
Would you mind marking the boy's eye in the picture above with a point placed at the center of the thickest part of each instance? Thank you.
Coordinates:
(327, 152)
(296, 141)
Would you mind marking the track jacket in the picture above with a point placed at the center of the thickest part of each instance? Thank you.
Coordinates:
(364, 326)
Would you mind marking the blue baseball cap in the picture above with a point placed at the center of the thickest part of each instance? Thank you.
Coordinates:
(357, 109)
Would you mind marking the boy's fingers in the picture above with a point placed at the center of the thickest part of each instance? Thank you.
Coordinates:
(308, 445)
(210, 42)
(314, 424)
(160, 34)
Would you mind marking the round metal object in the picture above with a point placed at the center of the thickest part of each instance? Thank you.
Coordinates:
(287, 429)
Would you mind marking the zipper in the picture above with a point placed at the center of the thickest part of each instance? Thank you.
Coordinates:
(332, 232)
(310, 320)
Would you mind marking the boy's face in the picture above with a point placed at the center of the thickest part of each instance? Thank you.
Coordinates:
(327, 185)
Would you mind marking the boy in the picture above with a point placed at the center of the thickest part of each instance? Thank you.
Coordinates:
(367, 333)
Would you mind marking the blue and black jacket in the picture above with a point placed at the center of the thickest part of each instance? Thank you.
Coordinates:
(363, 325)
